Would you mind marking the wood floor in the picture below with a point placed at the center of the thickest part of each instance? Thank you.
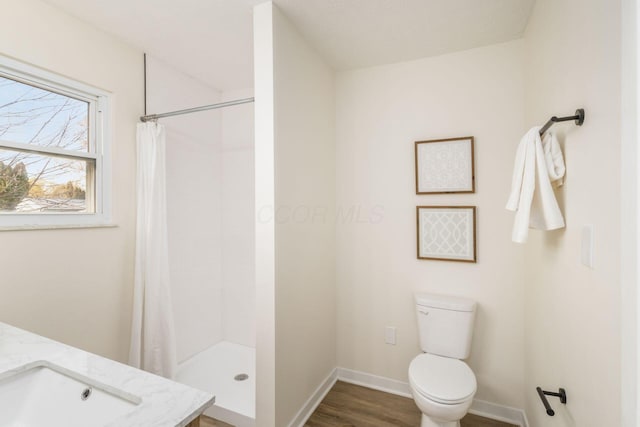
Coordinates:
(210, 422)
(348, 405)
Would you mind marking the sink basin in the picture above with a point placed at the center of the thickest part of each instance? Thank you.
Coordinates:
(43, 394)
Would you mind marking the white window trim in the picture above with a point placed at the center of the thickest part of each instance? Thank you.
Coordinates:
(100, 126)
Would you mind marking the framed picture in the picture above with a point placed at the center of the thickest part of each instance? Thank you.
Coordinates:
(445, 166)
(447, 233)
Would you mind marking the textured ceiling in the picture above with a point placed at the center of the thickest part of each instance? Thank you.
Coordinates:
(212, 39)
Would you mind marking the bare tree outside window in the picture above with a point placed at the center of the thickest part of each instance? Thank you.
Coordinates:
(33, 182)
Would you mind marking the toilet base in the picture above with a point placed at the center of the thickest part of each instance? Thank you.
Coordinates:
(428, 422)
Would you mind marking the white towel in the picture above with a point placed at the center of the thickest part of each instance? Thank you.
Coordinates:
(532, 195)
(553, 159)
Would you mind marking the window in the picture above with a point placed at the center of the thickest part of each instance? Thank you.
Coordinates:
(54, 163)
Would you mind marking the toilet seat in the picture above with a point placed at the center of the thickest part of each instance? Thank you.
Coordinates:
(442, 379)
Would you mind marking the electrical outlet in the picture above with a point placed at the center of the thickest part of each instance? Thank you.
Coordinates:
(390, 335)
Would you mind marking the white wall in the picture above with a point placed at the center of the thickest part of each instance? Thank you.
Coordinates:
(295, 233)
(263, 62)
(629, 218)
(210, 199)
(76, 285)
(381, 111)
(238, 207)
(194, 204)
(573, 59)
(305, 235)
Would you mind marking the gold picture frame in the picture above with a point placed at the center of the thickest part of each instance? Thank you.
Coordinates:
(445, 166)
(446, 233)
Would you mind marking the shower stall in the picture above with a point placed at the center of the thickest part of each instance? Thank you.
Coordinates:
(210, 221)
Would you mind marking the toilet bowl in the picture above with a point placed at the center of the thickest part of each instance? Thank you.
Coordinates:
(443, 389)
(442, 384)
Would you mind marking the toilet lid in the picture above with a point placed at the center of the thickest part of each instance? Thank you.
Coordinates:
(442, 379)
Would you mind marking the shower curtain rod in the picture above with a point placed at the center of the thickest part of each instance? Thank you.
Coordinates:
(150, 117)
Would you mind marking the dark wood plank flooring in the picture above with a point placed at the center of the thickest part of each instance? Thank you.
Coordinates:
(348, 405)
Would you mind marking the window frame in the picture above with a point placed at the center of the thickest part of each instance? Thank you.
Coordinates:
(99, 148)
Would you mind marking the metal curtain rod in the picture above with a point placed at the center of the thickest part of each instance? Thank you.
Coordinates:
(196, 109)
(578, 118)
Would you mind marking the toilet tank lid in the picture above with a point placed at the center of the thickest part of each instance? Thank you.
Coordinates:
(445, 302)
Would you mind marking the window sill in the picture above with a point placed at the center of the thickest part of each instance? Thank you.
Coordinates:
(54, 227)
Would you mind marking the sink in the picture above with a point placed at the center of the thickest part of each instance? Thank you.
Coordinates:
(43, 394)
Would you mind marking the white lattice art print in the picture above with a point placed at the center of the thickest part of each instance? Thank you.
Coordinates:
(446, 233)
(445, 166)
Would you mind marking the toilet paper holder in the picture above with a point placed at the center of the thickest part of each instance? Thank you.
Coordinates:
(562, 394)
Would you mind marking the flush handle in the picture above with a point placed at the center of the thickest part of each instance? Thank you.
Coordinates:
(426, 313)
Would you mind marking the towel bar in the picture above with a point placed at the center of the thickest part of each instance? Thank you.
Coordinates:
(562, 394)
(578, 118)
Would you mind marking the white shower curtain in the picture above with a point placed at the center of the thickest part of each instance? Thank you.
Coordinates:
(153, 345)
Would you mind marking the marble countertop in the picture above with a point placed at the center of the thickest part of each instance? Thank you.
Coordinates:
(163, 403)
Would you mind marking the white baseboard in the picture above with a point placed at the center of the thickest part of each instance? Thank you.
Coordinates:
(374, 381)
(499, 412)
(388, 385)
(312, 403)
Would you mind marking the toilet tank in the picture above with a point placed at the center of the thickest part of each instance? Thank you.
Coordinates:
(445, 324)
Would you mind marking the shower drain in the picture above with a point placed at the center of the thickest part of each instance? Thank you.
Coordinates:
(241, 377)
(86, 393)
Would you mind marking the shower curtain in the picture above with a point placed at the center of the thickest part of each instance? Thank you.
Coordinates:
(153, 345)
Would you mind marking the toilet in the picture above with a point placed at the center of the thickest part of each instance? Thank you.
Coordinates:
(442, 384)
